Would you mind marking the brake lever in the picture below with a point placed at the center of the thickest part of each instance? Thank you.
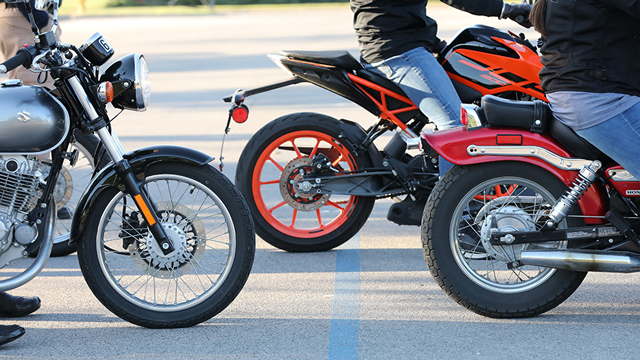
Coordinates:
(35, 66)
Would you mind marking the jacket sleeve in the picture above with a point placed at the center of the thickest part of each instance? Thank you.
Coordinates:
(631, 7)
(478, 7)
(41, 17)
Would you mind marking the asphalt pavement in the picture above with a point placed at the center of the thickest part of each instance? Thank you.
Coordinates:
(297, 306)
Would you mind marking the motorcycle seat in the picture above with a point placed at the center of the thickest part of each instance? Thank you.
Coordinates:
(536, 116)
(338, 58)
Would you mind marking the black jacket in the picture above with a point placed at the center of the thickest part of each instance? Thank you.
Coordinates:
(387, 28)
(591, 46)
(41, 17)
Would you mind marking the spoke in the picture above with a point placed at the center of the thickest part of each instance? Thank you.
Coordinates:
(275, 163)
(295, 147)
(271, 182)
(319, 217)
(336, 205)
(276, 207)
(293, 218)
(196, 264)
(315, 149)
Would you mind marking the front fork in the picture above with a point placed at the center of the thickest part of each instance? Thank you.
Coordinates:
(133, 186)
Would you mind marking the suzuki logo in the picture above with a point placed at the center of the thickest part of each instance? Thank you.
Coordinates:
(24, 116)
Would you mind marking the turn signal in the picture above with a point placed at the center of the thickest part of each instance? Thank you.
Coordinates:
(105, 92)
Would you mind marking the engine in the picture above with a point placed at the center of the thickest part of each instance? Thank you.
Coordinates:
(20, 177)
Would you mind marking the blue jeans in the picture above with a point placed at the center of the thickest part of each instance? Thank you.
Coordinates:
(420, 76)
(619, 138)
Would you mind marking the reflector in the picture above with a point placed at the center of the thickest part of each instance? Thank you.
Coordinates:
(240, 114)
(509, 139)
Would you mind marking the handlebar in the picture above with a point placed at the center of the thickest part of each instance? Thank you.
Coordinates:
(23, 57)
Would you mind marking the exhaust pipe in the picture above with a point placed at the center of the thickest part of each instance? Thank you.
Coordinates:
(583, 260)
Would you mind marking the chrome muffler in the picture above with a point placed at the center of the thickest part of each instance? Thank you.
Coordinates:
(583, 260)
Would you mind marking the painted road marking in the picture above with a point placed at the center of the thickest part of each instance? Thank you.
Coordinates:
(343, 336)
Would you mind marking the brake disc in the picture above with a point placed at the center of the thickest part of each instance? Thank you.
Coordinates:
(291, 183)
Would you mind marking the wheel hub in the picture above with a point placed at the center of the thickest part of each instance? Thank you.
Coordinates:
(187, 247)
(295, 190)
(508, 219)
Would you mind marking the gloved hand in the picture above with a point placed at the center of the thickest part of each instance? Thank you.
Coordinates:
(517, 12)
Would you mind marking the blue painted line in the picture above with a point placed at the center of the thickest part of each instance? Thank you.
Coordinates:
(343, 336)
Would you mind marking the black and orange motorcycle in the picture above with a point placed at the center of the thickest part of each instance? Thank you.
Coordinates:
(311, 180)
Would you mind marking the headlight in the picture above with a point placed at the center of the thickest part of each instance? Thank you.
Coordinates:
(130, 79)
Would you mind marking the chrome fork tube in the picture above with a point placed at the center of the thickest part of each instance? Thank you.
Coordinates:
(110, 141)
(82, 96)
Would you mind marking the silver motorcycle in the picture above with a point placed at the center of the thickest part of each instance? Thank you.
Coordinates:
(164, 239)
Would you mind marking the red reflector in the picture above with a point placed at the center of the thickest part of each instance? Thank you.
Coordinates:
(240, 114)
(464, 117)
(509, 139)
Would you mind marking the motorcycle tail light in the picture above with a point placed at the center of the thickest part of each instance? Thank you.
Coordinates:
(470, 116)
(464, 116)
(240, 113)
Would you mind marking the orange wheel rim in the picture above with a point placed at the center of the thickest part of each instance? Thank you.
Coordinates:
(280, 165)
(499, 192)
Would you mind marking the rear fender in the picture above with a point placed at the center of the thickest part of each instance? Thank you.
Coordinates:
(139, 161)
(462, 147)
(355, 135)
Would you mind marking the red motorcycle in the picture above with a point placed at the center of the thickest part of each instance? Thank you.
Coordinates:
(528, 210)
(311, 180)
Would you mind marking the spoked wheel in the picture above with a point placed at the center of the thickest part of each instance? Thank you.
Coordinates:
(69, 188)
(270, 170)
(210, 227)
(463, 210)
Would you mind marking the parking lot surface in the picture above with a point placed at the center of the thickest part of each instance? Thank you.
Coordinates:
(372, 298)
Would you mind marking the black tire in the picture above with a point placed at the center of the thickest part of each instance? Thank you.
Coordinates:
(71, 184)
(212, 230)
(310, 231)
(475, 274)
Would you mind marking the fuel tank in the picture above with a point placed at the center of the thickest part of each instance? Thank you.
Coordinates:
(483, 60)
(32, 121)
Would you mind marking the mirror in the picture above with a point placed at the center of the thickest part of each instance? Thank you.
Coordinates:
(43, 4)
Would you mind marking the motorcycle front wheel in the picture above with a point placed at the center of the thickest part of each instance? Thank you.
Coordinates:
(211, 229)
(270, 166)
(460, 214)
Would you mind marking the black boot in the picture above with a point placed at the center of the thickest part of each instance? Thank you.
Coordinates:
(16, 306)
(8, 333)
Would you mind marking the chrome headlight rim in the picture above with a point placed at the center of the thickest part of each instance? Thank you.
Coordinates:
(141, 82)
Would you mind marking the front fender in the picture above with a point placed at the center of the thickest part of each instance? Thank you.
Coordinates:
(139, 161)
(452, 145)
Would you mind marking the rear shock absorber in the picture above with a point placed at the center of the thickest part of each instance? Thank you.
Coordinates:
(585, 178)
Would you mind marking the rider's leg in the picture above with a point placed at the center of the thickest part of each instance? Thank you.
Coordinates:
(426, 83)
(619, 138)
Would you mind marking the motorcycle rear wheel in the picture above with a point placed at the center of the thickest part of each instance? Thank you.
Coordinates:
(211, 228)
(270, 165)
(465, 204)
